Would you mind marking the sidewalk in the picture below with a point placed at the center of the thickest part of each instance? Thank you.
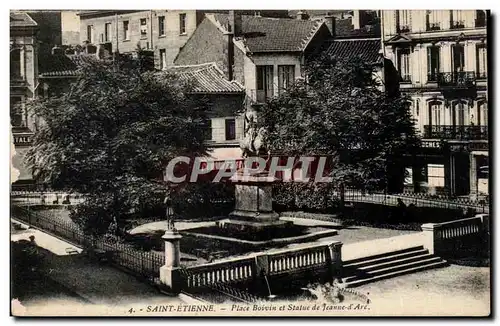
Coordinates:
(96, 283)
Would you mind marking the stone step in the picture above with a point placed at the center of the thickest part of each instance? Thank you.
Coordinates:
(385, 267)
(382, 255)
(386, 259)
(397, 272)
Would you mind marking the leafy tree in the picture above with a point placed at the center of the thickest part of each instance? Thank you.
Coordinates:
(340, 111)
(111, 136)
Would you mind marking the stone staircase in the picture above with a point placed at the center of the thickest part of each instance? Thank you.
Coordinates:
(377, 267)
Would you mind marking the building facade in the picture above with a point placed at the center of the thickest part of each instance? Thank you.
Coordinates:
(262, 54)
(162, 31)
(441, 57)
(23, 84)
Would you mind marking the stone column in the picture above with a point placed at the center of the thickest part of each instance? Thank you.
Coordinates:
(170, 273)
(334, 259)
(432, 237)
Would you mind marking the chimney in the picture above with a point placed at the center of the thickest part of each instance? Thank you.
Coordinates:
(330, 23)
(356, 19)
(235, 23)
(57, 50)
(302, 15)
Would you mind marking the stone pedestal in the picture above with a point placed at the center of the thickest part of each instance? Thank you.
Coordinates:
(254, 202)
(170, 273)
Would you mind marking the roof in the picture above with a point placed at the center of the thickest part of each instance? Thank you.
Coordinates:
(367, 49)
(61, 65)
(319, 12)
(207, 78)
(21, 19)
(263, 34)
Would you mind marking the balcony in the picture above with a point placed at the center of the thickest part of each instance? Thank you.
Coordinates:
(405, 78)
(404, 29)
(433, 27)
(457, 24)
(454, 79)
(481, 75)
(456, 132)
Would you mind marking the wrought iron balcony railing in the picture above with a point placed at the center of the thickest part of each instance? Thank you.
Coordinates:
(454, 79)
(405, 78)
(404, 29)
(456, 132)
(433, 26)
(481, 75)
(457, 24)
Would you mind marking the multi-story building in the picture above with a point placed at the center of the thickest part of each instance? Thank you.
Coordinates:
(441, 56)
(262, 54)
(23, 84)
(163, 31)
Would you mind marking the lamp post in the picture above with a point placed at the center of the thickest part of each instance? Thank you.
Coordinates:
(170, 272)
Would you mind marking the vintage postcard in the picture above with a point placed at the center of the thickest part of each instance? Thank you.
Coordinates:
(250, 163)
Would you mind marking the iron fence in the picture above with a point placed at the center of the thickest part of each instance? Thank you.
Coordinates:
(418, 199)
(139, 263)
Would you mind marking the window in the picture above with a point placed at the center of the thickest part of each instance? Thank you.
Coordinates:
(126, 34)
(16, 112)
(480, 18)
(404, 21)
(457, 19)
(417, 108)
(163, 59)
(161, 25)
(435, 175)
(107, 32)
(481, 61)
(460, 114)
(230, 129)
(458, 57)
(286, 77)
(15, 64)
(436, 113)
(265, 78)
(144, 28)
(182, 23)
(432, 63)
(404, 64)
(483, 113)
(432, 20)
(90, 33)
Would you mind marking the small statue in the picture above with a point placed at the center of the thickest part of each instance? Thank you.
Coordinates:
(169, 214)
(254, 142)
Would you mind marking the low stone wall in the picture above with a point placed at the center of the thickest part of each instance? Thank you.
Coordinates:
(464, 237)
(264, 267)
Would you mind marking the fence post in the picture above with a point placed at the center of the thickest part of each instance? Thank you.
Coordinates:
(334, 259)
(170, 273)
(432, 237)
(485, 220)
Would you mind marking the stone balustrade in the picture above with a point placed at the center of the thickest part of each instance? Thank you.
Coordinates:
(220, 272)
(273, 263)
(456, 237)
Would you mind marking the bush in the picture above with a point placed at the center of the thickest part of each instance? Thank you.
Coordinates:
(203, 200)
(311, 197)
